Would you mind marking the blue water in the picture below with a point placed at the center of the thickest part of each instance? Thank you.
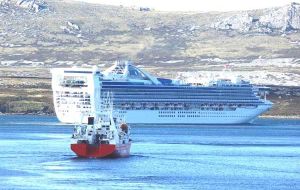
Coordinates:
(35, 154)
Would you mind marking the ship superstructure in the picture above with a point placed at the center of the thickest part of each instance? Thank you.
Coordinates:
(142, 98)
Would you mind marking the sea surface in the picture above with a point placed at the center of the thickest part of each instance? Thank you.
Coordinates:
(35, 154)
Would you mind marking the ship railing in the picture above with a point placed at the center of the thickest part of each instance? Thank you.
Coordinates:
(73, 83)
(73, 102)
(188, 107)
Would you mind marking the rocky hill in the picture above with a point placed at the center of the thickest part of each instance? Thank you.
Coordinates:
(36, 35)
(63, 33)
(269, 21)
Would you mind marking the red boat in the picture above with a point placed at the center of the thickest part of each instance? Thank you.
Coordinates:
(104, 138)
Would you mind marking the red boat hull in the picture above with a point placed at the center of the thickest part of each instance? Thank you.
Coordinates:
(101, 150)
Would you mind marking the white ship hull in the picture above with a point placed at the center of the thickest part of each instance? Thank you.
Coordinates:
(238, 116)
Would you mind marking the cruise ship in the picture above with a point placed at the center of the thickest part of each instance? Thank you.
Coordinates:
(141, 98)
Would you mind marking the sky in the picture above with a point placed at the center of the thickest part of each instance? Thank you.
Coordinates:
(197, 5)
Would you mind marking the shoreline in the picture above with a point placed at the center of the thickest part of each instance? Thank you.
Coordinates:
(280, 116)
(262, 116)
(32, 114)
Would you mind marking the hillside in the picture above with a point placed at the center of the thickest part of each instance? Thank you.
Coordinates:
(260, 45)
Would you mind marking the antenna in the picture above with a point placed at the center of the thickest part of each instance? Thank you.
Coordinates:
(227, 72)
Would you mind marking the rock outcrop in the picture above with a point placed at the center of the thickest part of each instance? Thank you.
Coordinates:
(241, 22)
(275, 20)
(285, 19)
(71, 28)
(30, 5)
(33, 5)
